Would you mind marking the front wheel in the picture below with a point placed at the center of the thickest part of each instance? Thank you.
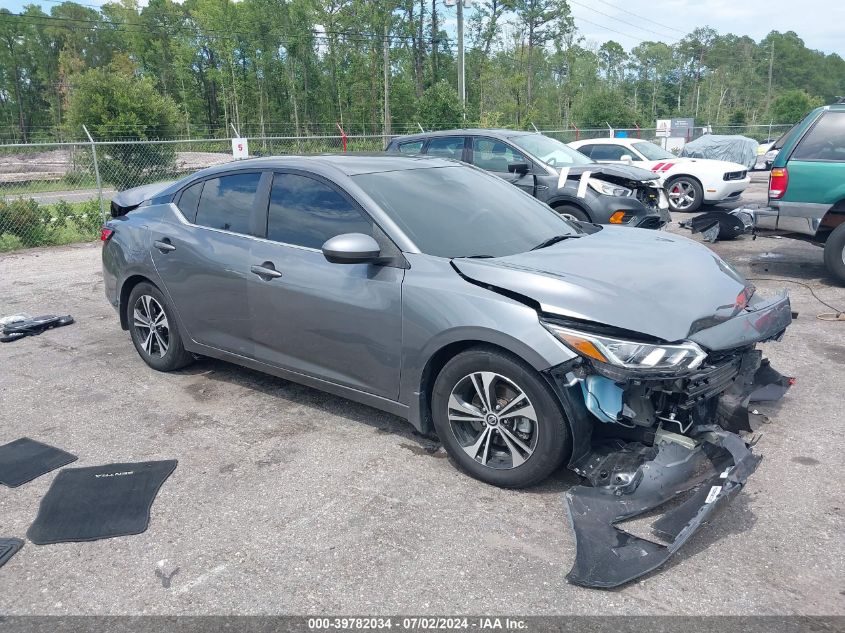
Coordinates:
(834, 253)
(498, 420)
(571, 212)
(685, 194)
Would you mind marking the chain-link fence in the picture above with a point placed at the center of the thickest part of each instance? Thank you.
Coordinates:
(59, 193)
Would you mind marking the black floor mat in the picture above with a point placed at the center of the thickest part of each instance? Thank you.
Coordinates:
(8, 548)
(86, 504)
(23, 460)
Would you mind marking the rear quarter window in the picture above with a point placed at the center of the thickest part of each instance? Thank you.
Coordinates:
(825, 141)
(189, 200)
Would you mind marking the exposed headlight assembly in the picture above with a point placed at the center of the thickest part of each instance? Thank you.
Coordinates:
(608, 188)
(630, 354)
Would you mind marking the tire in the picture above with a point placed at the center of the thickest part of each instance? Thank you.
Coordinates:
(160, 347)
(834, 253)
(512, 452)
(573, 211)
(688, 187)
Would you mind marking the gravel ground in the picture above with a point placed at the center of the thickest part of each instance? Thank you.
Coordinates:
(288, 500)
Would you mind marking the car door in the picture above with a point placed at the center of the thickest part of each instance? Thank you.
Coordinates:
(337, 322)
(496, 156)
(203, 258)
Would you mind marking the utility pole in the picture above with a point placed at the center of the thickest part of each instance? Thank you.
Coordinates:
(461, 73)
(771, 65)
(386, 53)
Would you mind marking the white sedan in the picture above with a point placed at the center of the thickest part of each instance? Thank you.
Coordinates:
(689, 182)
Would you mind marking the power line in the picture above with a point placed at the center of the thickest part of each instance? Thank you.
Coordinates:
(607, 15)
(637, 15)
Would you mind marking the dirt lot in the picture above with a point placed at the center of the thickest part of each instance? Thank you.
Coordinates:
(288, 500)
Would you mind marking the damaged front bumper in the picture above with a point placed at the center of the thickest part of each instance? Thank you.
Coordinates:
(653, 438)
(606, 556)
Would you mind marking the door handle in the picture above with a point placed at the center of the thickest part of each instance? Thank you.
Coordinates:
(266, 271)
(164, 245)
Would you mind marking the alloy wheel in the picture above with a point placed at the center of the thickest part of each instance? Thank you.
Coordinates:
(682, 195)
(493, 420)
(150, 323)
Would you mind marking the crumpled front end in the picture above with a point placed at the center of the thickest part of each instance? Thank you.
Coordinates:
(658, 439)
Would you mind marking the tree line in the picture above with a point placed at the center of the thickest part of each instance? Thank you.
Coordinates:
(300, 67)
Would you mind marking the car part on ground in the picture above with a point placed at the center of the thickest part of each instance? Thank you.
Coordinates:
(25, 459)
(96, 502)
(8, 548)
(689, 182)
(553, 173)
(723, 225)
(19, 326)
(522, 338)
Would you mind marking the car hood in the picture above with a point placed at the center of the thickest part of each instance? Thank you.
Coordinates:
(616, 171)
(654, 283)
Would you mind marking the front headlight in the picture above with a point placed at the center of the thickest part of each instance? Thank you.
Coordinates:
(630, 354)
(608, 188)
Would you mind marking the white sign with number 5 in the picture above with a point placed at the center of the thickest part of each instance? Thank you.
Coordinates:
(240, 148)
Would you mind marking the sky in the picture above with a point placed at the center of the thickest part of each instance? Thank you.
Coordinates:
(818, 22)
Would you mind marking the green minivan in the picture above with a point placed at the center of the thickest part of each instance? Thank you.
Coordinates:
(807, 185)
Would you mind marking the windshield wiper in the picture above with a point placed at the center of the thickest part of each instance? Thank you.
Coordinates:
(554, 240)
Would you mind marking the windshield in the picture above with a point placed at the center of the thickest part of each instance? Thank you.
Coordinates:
(550, 151)
(652, 151)
(460, 211)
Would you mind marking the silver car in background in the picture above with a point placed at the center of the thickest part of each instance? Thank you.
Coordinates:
(442, 294)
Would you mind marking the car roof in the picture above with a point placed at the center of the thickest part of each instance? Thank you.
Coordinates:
(473, 131)
(348, 164)
(606, 141)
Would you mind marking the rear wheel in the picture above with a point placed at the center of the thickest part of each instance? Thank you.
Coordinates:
(572, 212)
(153, 329)
(834, 253)
(498, 420)
(685, 194)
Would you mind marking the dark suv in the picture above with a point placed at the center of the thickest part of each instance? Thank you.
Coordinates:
(565, 179)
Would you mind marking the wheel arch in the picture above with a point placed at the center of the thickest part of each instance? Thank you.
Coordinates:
(834, 216)
(561, 202)
(437, 361)
(125, 290)
(672, 177)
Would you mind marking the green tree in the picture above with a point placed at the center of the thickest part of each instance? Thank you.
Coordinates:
(605, 107)
(111, 103)
(440, 108)
(792, 105)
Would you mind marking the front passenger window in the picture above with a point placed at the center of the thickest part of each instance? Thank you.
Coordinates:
(494, 155)
(226, 202)
(306, 212)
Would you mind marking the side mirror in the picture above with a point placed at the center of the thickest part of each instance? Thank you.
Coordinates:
(351, 248)
(626, 159)
(518, 168)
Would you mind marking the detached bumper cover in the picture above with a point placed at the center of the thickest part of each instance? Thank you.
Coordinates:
(606, 556)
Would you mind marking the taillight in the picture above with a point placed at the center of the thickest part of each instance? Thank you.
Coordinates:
(105, 233)
(778, 182)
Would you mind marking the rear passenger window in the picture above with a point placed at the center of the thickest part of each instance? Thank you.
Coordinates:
(414, 147)
(447, 147)
(305, 212)
(189, 200)
(226, 202)
(826, 141)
